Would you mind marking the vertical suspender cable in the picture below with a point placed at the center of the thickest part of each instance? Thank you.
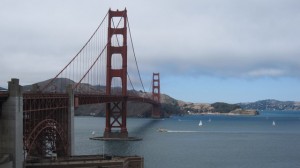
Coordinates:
(46, 86)
(135, 56)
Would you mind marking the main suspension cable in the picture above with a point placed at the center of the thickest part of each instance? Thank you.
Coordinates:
(97, 57)
(135, 56)
(119, 46)
(76, 54)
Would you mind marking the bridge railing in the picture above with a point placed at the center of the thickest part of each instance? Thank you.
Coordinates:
(5, 158)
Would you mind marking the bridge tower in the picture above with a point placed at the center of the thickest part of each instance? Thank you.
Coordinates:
(116, 111)
(156, 113)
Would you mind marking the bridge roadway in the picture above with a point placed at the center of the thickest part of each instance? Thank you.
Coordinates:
(81, 99)
(49, 100)
(88, 161)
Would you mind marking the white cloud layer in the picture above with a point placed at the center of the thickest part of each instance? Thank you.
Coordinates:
(233, 38)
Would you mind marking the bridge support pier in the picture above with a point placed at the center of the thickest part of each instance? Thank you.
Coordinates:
(115, 135)
(116, 118)
(11, 124)
(156, 112)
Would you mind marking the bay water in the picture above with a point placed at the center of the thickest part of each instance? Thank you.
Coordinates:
(269, 140)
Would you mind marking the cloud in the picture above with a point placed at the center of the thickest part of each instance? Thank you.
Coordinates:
(250, 38)
(267, 72)
(232, 39)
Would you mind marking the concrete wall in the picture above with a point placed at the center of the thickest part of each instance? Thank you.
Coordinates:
(71, 121)
(7, 165)
(90, 161)
(11, 124)
(6, 161)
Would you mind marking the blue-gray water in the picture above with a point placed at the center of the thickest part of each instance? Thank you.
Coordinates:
(224, 142)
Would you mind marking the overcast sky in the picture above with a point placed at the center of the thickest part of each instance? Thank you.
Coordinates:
(205, 50)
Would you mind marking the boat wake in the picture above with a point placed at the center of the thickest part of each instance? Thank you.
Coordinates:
(216, 132)
(177, 131)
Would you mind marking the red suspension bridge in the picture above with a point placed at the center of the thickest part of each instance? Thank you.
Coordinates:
(100, 72)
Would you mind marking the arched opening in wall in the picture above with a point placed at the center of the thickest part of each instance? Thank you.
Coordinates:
(46, 139)
(116, 88)
(117, 22)
(117, 40)
(116, 61)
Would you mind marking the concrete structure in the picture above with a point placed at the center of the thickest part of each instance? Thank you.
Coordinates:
(11, 126)
(6, 161)
(71, 111)
(88, 162)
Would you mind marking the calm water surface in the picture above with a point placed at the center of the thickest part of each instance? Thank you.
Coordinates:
(222, 141)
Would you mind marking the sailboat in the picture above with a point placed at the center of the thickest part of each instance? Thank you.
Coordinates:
(273, 123)
(200, 123)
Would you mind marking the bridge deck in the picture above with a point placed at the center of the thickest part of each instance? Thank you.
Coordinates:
(94, 99)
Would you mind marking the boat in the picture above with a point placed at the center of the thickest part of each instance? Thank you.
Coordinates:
(273, 123)
(162, 130)
(200, 123)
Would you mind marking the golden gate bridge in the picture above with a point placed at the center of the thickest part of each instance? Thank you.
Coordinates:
(100, 72)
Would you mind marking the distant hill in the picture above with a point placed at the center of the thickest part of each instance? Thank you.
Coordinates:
(271, 104)
(60, 85)
(215, 108)
(2, 89)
